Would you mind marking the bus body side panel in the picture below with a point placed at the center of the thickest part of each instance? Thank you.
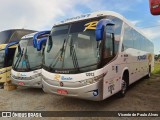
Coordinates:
(2, 75)
(112, 79)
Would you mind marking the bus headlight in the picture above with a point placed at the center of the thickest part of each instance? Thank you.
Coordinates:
(92, 80)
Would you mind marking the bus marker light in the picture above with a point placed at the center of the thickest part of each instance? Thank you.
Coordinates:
(21, 83)
(60, 91)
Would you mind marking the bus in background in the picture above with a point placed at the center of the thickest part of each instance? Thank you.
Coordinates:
(27, 64)
(8, 43)
(154, 7)
(97, 55)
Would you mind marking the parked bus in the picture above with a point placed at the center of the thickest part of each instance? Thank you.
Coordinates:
(8, 43)
(27, 64)
(94, 56)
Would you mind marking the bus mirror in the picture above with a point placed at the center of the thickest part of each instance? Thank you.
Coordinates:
(155, 7)
(99, 34)
(101, 27)
(40, 43)
(39, 35)
(49, 44)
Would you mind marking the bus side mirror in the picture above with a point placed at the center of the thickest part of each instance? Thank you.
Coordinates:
(40, 35)
(100, 28)
(154, 7)
(40, 43)
(49, 44)
(99, 34)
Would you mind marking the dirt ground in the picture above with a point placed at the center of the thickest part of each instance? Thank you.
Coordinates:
(144, 95)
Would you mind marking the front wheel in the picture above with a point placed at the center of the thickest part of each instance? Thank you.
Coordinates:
(123, 90)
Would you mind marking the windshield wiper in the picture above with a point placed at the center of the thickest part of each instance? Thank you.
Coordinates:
(19, 55)
(74, 56)
(59, 58)
(98, 51)
(25, 60)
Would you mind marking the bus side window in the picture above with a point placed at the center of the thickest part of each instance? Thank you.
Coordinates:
(108, 49)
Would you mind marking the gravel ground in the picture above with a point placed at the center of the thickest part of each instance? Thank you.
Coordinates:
(144, 95)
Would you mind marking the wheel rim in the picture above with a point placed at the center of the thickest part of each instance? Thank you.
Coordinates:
(124, 86)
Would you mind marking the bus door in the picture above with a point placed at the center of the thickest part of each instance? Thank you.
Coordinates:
(108, 53)
(2, 68)
(8, 62)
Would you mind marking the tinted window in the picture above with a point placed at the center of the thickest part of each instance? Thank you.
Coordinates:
(117, 31)
(127, 37)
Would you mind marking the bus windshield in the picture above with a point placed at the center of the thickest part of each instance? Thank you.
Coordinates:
(74, 47)
(2, 56)
(27, 57)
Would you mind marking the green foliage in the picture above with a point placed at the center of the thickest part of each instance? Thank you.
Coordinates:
(156, 68)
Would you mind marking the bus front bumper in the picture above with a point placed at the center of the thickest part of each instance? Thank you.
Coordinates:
(92, 92)
(34, 83)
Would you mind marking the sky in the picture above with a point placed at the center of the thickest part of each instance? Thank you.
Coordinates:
(42, 14)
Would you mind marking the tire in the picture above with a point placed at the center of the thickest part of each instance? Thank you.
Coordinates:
(124, 86)
(149, 73)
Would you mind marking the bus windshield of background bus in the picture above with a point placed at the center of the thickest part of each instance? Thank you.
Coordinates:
(74, 46)
(2, 56)
(27, 57)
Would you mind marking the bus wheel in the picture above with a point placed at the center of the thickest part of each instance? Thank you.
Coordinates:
(149, 73)
(124, 86)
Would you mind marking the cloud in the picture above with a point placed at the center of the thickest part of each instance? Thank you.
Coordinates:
(158, 21)
(40, 14)
(152, 33)
(35, 14)
(135, 22)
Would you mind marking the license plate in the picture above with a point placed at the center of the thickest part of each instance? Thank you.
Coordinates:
(64, 92)
(21, 83)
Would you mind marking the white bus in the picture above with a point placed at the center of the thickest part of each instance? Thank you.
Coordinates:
(94, 56)
(27, 64)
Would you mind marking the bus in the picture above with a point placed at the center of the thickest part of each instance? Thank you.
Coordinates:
(95, 56)
(27, 64)
(8, 43)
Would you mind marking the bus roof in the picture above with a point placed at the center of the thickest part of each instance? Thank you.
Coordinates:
(98, 14)
(88, 16)
(11, 35)
(29, 35)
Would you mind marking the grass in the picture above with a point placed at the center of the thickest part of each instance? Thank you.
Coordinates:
(154, 78)
(156, 68)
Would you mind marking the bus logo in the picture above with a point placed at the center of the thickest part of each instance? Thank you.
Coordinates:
(90, 25)
(57, 77)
